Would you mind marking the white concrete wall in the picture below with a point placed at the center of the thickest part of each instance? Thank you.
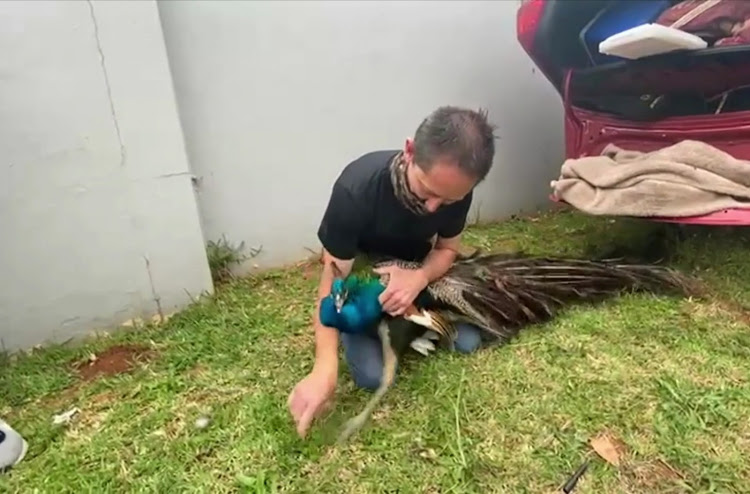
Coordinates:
(276, 97)
(93, 173)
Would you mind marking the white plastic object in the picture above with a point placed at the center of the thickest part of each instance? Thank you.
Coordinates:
(649, 39)
(13, 447)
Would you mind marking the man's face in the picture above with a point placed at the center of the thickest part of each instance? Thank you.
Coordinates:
(444, 183)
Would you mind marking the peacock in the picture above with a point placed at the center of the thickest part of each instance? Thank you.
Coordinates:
(499, 293)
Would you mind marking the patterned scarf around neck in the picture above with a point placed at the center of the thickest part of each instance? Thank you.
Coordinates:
(401, 187)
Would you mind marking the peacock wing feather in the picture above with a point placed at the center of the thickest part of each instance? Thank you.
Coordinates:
(440, 322)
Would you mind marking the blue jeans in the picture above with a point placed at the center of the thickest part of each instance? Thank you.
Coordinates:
(364, 354)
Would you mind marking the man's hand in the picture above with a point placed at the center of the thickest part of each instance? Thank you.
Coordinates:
(310, 397)
(403, 287)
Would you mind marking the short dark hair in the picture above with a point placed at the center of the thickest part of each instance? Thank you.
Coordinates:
(459, 134)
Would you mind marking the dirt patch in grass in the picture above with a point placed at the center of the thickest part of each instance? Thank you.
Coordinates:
(115, 360)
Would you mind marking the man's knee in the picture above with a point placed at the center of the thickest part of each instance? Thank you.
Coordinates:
(468, 339)
(367, 377)
(364, 357)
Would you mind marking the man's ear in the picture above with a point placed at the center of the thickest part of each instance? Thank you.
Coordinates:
(409, 148)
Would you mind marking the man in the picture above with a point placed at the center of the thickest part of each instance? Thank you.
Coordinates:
(409, 204)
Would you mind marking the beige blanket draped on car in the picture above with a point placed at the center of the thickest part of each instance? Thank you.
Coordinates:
(690, 178)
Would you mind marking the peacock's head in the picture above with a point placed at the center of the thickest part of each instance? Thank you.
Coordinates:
(341, 287)
(339, 292)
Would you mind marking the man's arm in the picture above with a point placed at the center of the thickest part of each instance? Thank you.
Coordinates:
(326, 339)
(339, 233)
(446, 248)
(310, 394)
(441, 257)
(404, 285)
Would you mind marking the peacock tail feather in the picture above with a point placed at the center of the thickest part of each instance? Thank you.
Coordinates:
(502, 293)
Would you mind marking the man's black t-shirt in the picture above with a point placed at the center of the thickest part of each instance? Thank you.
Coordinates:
(363, 215)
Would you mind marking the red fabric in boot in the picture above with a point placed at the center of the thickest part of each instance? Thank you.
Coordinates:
(721, 20)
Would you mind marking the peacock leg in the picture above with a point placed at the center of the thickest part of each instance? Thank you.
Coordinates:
(389, 373)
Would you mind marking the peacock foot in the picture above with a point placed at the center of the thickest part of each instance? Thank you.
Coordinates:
(390, 360)
(423, 345)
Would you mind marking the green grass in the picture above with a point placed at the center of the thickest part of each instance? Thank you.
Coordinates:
(670, 378)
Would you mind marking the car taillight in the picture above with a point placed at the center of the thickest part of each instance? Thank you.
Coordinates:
(527, 22)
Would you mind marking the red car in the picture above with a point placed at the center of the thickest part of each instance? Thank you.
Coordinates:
(640, 104)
